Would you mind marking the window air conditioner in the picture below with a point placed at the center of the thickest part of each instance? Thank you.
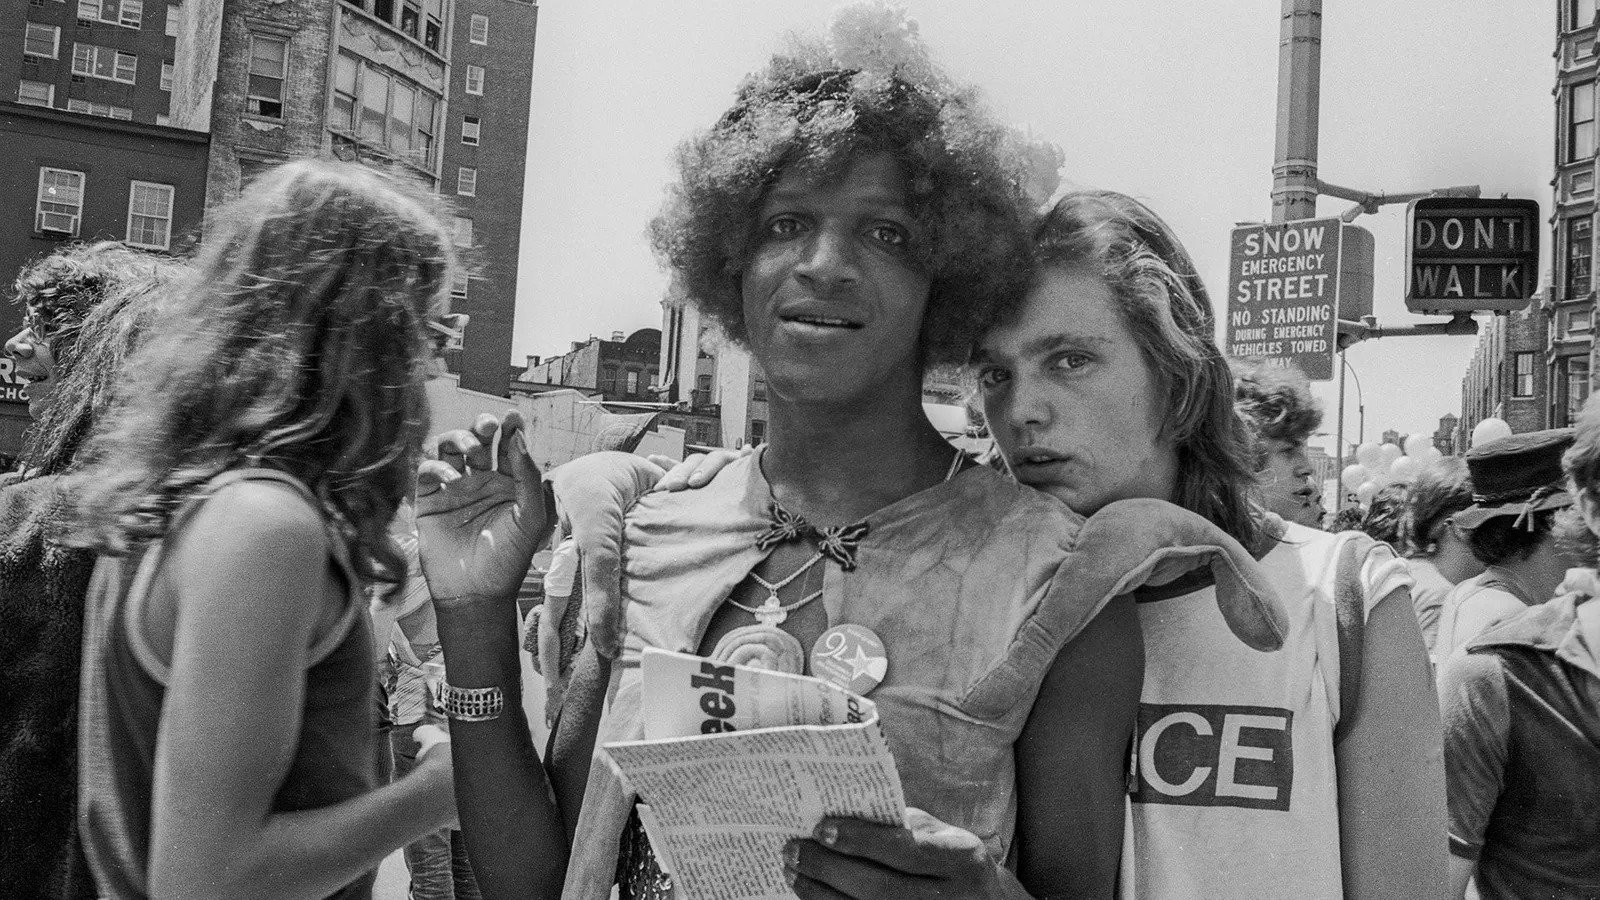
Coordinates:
(58, 223)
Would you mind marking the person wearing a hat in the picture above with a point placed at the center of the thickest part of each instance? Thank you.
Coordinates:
(1518, 487)
(1521, 709)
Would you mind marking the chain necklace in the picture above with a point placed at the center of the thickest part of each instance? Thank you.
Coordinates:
(772, 611)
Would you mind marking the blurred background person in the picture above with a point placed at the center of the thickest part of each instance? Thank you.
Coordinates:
(1276, 403)
(1518, 487)
(86, 308)
(1439, 556)
(1521, 708)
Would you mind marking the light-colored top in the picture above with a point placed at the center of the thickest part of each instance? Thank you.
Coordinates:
(124, 682)
(1235, 790)
(1428, 590)
(973, 585)
(1472, 606)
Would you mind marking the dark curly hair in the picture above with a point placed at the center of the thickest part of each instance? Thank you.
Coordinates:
(60, 290)
(1384, 518)
(1276, 401)
(963, 171)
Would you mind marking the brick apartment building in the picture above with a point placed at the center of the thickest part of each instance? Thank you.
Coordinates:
(84, 92)
(438, 87)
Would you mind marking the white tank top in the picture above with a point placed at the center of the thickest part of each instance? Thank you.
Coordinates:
(1235, 791)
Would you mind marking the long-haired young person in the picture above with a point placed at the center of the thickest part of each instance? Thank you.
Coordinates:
(241, 497)
(1309, 772)
(87, 308)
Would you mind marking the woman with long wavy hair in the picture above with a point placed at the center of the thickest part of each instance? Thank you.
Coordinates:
(240, 497)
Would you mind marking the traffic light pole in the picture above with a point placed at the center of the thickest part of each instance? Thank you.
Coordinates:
(1295, 185)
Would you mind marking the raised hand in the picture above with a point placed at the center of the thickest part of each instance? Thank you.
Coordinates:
(480, 510)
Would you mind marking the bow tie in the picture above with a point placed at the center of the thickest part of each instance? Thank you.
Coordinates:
(837, 543)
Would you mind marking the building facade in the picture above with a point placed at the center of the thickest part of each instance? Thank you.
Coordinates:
(622, 370)
(404, 83)
(1568, 365)
(1509, 376)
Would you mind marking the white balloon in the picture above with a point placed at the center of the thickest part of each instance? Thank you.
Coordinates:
(1430, 455)
(1366, 492)
(1390, 453)
(1414, 445)
(1370, 456)
(1404, 469)
(1381, 479)
(1353, 475)
(1490, 430)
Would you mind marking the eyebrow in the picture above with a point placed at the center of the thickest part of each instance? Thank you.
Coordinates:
(1047, 343)
(795, 195)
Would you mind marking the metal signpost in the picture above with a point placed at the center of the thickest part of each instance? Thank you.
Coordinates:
(1289, 283)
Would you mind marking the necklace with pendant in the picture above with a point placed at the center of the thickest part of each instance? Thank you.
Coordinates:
(772, 611)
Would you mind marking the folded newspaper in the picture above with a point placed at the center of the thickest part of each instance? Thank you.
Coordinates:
(737, 761)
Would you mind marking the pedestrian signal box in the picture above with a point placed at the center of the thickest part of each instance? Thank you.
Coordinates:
(1471, 255)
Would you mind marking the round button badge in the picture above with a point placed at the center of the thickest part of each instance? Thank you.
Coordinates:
(850, 656)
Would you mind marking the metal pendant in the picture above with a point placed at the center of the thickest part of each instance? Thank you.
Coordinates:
(771, 612)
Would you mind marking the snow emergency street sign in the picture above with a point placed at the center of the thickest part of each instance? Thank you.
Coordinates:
(1467, 255)
(1289, 283)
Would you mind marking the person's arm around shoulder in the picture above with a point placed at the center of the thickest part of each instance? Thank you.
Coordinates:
(1072, 759)
(1472, 697)
(1390, 761)
(248, 613)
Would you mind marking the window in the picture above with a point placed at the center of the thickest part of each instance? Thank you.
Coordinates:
(269, 57)
(127, 13)
(60, 202)
(104, 62)
(467, 181)
(411, 20)
(1580, 320)
(402, 112)
(431, 32)
(383, 9)
(150, 215)
(43, 41)
(1580, 115)
(478, 33)
(99, 109)
(633, 383)
(1576, 387)
(463, 231)
(758, 431)
(475, 80)
(1522, 375)
(166, 74)
(1580, 252)
(1580, 13)
(608, 380)
(759, 390)
(704, 381)
(346, 69)
(174, 20)
(36, 93)
(469, 130)
(458, 286)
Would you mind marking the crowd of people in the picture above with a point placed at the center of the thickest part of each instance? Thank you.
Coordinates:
(1124, 659)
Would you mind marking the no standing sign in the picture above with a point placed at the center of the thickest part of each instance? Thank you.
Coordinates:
(1285, 284)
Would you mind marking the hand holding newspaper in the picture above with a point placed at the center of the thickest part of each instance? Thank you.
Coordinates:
(737, 761)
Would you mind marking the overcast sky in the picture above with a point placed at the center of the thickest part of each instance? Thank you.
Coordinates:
(1170, 101)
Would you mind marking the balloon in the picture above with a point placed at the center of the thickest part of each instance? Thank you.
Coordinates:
(1381, 479)
(1404, 469)
(1352, 476)
(1430, 455)
(1390, 453)
(1414, 445)
(1490, 430)
(1366, 492)
(1370, 456)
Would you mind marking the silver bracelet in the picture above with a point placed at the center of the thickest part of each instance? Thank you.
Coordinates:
(471, 704)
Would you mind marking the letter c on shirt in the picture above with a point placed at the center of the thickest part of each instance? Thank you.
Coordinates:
(1147, 754)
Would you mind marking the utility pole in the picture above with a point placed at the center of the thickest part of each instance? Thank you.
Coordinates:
(1294, 165)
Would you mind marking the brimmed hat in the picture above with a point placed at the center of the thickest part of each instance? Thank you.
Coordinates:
(1517, 476)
